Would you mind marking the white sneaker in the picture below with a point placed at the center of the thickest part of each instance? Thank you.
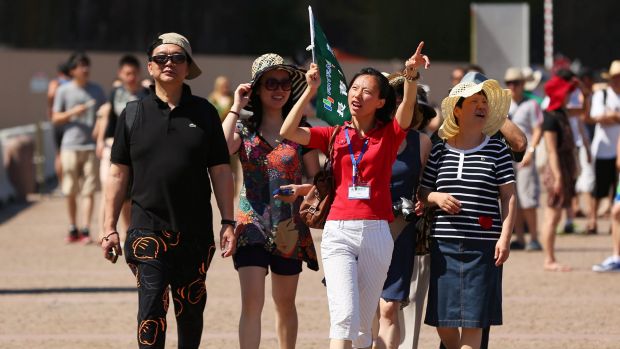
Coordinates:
(610, 264)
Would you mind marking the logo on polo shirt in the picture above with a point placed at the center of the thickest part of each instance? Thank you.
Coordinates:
(191, 124)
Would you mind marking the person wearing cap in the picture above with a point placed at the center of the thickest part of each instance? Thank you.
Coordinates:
(75, 105)
(561, 171)
(470, 236)
(605, 111)
(357, 245)
(270, 232)
(532, 81)
(527, 115)
(406, 171)
(172, 145)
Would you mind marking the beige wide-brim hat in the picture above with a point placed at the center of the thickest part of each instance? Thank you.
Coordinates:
(271, 61)
(614, 69)
(498, 101)
(181, 41)
(530, 77)
(514, 74)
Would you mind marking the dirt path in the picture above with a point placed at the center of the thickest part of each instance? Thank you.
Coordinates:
(59, 296)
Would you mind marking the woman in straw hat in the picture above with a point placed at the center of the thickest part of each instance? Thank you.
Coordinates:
(560, 173)
(270, 232)
(357, 245)
(406, 172)
(464, 177)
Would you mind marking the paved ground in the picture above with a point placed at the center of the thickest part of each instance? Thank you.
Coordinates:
(54, 295)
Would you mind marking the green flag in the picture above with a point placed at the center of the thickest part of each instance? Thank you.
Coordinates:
(331, 97)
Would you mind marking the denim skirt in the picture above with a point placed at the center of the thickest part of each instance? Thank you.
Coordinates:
(465, 285)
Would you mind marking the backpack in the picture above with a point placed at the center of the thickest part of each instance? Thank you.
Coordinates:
(131, 113)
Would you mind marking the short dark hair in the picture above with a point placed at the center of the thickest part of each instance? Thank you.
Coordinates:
(77, 58)
(385, 92)
(63, 67)
(129, 60)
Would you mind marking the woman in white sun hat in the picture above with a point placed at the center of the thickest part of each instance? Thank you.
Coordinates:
(270, 233)
(470, 237)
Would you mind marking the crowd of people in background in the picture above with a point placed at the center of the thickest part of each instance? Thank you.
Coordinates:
(516, 141)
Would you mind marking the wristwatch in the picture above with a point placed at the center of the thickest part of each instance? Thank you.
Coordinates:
(531, 149)
(229, 222)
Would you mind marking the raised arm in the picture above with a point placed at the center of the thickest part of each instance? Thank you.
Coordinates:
(404, 114)
(242, 97)
(514, 136)
(290, 128)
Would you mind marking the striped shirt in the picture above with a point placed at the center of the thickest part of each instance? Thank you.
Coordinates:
(473, 177)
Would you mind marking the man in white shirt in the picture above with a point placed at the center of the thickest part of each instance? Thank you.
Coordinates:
(606, 112)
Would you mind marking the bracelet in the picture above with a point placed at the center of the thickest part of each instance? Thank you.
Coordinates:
(228, 222)
(107, 237)
(234, 112)
(410, 78)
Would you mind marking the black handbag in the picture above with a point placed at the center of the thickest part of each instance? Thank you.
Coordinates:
(423, 227)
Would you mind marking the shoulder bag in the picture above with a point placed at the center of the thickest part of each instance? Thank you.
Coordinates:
(315, 206)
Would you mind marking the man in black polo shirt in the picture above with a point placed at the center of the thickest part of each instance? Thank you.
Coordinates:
(170, 143)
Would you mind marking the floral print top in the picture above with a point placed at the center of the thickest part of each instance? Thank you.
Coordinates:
(261, 219)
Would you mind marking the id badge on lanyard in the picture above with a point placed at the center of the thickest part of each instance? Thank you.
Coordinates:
(357, 190)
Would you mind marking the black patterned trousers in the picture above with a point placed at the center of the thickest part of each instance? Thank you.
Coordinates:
(165, 264)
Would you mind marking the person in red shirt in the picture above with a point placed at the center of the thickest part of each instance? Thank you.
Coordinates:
(356, 248)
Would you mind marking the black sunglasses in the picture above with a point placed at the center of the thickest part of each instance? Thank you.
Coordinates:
(513, 82)
(272, 84)
(176, 58)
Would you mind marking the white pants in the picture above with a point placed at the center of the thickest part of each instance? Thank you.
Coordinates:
(411, 317)
(356, 256)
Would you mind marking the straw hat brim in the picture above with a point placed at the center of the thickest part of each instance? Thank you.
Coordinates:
(608, 76)
(498, 101)
(298, 78)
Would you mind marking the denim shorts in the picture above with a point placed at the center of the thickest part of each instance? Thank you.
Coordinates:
(398, 281)
(465, 285)
(258, 256)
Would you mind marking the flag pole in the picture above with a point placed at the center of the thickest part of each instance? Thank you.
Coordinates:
(311, 33)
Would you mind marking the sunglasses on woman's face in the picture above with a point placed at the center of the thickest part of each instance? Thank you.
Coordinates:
(176, 58)
(272, 84)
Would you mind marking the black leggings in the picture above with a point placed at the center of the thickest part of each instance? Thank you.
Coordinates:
(164, 262)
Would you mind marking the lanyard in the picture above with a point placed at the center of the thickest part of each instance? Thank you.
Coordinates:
(359, 158)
